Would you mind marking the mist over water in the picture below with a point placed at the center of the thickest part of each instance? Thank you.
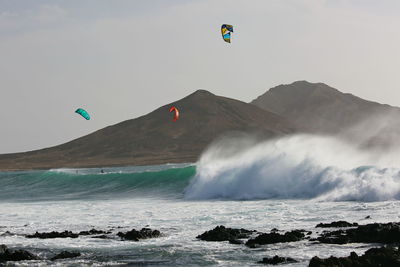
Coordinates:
(360, 163)
(295, 167)
(303, 166)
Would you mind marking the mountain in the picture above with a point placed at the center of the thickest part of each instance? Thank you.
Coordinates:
(155, 138)
(319, 108)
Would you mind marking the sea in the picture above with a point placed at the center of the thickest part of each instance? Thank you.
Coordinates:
(288, 183)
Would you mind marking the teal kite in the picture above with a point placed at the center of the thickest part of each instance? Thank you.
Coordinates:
(83, 113)
(226, 30)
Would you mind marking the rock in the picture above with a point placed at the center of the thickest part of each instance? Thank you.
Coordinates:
(93, 232)
(21, 255)
(135, 235)
(335, 237)
(384, 256)
(66, 255)
(276, 260)
(53, 234)
(7, 254)
(273, 237)
(66, 234)
(337, 224)
(369, 233)
(221, 233)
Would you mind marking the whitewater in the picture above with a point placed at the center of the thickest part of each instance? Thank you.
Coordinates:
(294, 182)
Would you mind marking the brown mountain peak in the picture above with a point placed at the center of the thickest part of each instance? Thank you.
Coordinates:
(154, 138)
(317, 106)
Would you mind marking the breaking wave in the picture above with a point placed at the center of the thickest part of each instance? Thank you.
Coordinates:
(294, 167)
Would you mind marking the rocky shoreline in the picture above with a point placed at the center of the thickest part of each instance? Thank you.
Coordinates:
(386, 236)
(8, 254)
(383, 256)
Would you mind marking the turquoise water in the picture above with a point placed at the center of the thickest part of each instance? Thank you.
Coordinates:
(160, 197)
(290, 183)
(166, 181)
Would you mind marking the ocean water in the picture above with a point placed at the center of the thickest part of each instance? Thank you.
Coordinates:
(290, 183)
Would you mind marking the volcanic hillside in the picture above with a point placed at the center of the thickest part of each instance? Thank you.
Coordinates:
(319, 107)
(155, 138)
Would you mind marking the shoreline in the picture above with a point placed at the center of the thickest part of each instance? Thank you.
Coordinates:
(385, 239)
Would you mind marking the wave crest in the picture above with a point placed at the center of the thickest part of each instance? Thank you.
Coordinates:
(299, 167)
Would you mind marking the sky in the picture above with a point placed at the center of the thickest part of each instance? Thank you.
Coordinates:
(120, 59)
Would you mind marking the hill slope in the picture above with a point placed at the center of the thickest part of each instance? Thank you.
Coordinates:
(154, 138)
(318, 107)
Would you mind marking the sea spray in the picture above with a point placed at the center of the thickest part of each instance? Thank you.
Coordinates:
(294, 167)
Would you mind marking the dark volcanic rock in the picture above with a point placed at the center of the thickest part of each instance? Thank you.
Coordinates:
(337, 224)
(93, 232)
(276, 260)
(66, 255)
(273, 237)
(369, 233)
(7, 254)
(53, 234)
(135, 235)
(387, 257)
(221, 233)
(66, 234)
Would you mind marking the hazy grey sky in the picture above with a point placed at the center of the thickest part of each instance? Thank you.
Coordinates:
(123, 58)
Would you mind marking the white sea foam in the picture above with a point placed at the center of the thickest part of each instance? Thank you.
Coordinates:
(300, 166)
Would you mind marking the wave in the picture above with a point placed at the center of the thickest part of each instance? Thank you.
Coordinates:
(165, 181)
(294, 167)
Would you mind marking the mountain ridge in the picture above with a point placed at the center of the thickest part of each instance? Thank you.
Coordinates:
(319, 107)
(153, 138)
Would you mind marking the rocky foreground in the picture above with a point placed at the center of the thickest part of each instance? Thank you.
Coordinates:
(7, 254)
(383, 256)
(385, 235)
(370, 233)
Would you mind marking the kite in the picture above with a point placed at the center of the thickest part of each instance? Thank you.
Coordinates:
(226, 30)
(83, 113)
(176, 114)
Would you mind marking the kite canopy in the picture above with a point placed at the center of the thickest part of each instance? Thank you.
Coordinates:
(83, 113)
(226, 30)
(176, 114)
